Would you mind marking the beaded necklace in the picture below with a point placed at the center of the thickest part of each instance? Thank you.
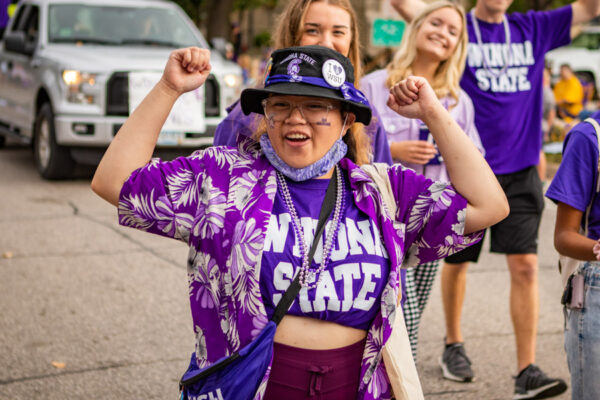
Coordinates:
(480, 44)
(305, 272)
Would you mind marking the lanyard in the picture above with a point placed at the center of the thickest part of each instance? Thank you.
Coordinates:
(290, 294)
(480, 44)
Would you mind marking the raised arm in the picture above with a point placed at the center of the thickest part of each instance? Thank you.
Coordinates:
(585, 10)
(408, 9)
(132, 147)
(469, 173)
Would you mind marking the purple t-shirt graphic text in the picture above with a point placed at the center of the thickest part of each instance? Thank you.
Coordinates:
(519, 56)
(351, 285)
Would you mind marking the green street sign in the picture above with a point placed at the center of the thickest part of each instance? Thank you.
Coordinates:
(387, 32)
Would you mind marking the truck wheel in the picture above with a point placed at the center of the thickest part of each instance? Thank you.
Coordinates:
(53, 161)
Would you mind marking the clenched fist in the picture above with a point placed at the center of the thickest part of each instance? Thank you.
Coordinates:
(413, 97)
(186, 69)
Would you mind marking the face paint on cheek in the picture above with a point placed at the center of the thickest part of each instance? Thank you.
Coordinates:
(323, 122)
(271, 121)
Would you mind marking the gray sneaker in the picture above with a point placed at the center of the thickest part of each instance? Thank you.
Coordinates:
(533, 383)
(455, 364)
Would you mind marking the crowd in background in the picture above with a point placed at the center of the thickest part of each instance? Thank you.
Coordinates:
(568, 98)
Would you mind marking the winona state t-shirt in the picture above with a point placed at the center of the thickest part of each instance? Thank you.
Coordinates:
(508, 106)
(350, 289)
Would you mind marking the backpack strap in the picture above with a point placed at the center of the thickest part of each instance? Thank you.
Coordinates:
(596, 126)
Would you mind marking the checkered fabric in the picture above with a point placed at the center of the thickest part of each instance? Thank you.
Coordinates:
(419, 281)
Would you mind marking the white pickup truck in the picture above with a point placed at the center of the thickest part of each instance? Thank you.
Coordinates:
(72, 71)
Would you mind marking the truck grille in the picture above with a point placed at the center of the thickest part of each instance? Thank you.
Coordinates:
(117, 96)
(211, 96)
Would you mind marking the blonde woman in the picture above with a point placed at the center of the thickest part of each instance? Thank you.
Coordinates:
(434, 48)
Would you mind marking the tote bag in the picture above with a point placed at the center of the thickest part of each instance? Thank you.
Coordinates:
(397, 354)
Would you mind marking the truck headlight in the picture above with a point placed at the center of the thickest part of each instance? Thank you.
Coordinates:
(77, 82)
(232, 80)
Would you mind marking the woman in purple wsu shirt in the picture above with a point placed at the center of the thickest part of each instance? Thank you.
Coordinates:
(574, 189)
(248, 215)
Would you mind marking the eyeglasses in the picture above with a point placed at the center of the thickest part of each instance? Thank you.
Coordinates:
(315, 111)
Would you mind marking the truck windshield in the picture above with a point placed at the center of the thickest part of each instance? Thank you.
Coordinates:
(109, 25)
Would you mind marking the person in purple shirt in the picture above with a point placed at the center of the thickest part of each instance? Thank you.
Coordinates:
(331, 24)
(503, 77)
(573, 188)
(435, 48)
(248, 215)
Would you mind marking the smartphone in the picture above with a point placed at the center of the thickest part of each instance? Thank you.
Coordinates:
(577, 292)
(425, 135)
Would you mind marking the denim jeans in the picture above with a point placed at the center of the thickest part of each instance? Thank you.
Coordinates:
(582, 338)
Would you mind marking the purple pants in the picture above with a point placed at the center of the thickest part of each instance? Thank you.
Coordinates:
(315, 374)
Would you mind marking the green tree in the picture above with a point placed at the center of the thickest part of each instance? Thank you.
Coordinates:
(526, 5)
(213, 15)
(217, 24)
(193, 8)
(248, 6)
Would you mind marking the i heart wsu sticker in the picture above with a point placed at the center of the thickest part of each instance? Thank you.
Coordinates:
(334, 73)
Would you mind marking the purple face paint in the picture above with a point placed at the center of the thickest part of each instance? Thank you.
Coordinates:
(323, 122)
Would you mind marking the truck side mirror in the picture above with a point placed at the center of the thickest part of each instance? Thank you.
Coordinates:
(15, 42)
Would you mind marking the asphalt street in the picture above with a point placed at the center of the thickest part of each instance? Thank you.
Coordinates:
(89, 309)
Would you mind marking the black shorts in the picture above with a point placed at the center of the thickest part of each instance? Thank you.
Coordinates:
(470, 254)
(517, 233)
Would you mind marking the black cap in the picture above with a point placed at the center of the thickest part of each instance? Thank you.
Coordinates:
(315, 71)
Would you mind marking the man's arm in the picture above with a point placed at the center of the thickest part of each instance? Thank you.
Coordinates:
(583, 10)
(409, 9)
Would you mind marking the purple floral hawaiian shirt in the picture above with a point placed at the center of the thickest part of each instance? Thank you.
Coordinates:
(219, 201)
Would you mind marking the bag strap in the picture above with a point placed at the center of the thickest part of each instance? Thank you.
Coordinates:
(290, 294)
(594, 123)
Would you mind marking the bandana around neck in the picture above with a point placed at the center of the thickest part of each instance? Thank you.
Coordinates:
(319, 168)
